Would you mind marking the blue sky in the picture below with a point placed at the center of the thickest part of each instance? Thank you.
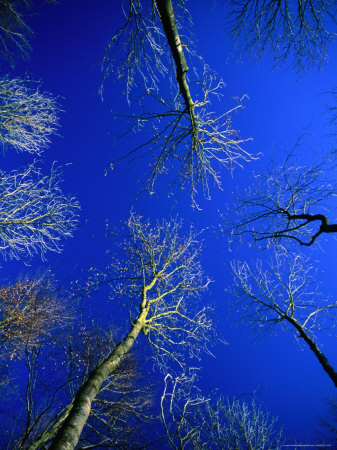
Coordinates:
(68, 44)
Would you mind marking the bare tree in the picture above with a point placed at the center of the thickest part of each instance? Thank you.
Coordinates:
(286, 295)
(194, 422)
(186, 133)
(160, 271)
(293, 30)
(286, 204)
(30, 310)
(28, 116)
(34, 212)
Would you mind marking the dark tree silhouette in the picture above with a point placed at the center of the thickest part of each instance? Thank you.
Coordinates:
(285, 204)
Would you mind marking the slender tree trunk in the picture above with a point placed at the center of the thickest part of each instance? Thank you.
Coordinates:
(70, 432)
(323, 360)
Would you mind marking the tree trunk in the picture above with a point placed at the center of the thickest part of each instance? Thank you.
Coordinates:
(168, 21)
(323, 360)
(70, 432)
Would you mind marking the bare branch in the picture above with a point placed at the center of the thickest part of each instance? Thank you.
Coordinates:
(29, 311)
(193, 421)
(27, 116)
(159, 271)
(293, 30)
(138, 46)
(34, 212)
(285, 294)
(14, 32)
(285, 204)
(188, 136)
(194, 149)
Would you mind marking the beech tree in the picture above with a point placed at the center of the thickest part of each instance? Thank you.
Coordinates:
(286, 295)
(159, 272)
(187, 134)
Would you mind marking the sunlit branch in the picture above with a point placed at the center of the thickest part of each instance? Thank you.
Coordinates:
(187, 135)
(196, 151)
(138, 44)
(165, 278)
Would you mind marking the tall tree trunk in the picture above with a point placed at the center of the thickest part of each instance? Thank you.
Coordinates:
(168, 21)
(70, 432)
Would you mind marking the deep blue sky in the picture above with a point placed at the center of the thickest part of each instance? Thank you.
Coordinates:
(68, 45)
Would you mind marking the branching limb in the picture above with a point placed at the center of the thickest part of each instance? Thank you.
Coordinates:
(27, 116)
(194, 421)
(34, 212)
(281, 205)
(160, 273)
(293, 30)
(286, 294)
(188, 136)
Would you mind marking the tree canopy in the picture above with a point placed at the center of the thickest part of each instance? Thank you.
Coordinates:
(118, 300)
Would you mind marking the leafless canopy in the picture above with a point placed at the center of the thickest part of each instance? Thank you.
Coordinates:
(187, 134)
(285, 204)
(34, 212)
(29, 311)
(293, 30)
(286, 294)
(138, 46)
(181, 407)
(160, 267)
(28, 116)
(193, 422)
(157, 272)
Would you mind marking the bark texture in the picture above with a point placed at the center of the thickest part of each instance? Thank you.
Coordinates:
(168, 21)
(70, 432)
